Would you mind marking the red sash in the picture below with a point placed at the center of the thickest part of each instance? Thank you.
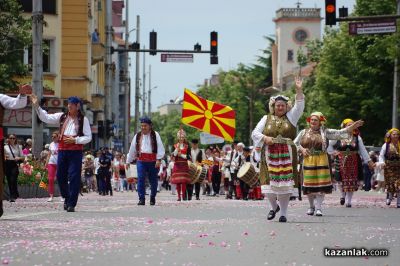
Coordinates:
(147, 157)
(62, 146)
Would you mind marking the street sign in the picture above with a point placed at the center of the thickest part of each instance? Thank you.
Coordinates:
(177, 58)
(373, 27)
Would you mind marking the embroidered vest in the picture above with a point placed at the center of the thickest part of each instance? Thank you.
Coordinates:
(153, 138)
(279, 126)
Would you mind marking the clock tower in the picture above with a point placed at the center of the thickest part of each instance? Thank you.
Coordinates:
(294, 27)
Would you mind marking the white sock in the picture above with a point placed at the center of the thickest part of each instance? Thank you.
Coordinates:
(272, 201)
(319, 199)
(283, 203)
(349, 196)
(311, 200)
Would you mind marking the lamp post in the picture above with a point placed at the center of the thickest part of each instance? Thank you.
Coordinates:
(149, 100)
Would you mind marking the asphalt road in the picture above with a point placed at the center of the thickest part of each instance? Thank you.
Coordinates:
(108, 230)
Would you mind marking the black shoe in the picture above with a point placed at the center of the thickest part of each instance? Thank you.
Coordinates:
(71, 209)
(348, 205)
(1, 208)
(341, 201)
(152, 201)
(197, 198)
(65, 206)
(178, 200)
(292, 198)
(141, 202)
(282, 219)
(272, 213)
(12, 200)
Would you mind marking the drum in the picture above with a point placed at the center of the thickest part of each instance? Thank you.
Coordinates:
(247, 173)
(203, 174)
(194, 172)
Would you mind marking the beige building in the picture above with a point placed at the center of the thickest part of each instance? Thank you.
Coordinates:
(294, 27)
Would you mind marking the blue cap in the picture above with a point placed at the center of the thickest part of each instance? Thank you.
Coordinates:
(74, 99)
(145, 120)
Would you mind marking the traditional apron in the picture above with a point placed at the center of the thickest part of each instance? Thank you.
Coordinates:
(278, 169)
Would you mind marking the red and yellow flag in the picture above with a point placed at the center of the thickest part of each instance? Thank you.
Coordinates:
(207, 116)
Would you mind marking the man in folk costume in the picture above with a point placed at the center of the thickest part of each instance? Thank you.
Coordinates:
(147, 150)
(180, 173)
(232, 177)
(74, 133)
(237, 162)
(275, 134)
(7, 102)
(196, 156)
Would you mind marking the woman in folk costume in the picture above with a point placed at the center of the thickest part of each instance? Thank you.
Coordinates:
(389, 159)
(275, 133)
(349, 154)
(312, 143)
(180, 173)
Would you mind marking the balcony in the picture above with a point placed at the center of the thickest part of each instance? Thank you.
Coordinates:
(298, 13)
(98, 52)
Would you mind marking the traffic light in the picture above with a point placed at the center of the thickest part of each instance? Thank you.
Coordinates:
(213, 48)
(100, 129)
(330, 12)
(109, 129)
(153, 42)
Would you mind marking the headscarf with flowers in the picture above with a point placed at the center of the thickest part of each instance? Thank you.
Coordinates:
(273, 99)
(320, 116)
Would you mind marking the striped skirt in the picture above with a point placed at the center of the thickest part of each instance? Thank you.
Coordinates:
(316, 174)
(280, 169)
(180, 172)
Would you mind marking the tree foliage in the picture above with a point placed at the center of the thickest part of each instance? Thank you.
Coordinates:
(14, 36)
(354, 75)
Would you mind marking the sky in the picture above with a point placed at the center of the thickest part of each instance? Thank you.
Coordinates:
(180, 24)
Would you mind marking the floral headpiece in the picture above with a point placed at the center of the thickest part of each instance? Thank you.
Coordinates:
(181, 134)
(273, 99)
(320, 116)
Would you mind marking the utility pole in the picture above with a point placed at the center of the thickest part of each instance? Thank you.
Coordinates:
(137, 87)
(144, 85)
(127, 81)
(37, 73)
(396, 82)
(149, 93)
(108, 63)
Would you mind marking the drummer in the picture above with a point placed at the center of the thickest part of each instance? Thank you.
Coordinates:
(237, 162)
(275, 133)
(197, 156)
(243, 185)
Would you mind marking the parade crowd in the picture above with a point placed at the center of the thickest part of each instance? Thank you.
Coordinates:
(281, 164)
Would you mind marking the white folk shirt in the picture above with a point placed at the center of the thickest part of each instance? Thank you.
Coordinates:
(13, 103)
(70, 129)
(194, 153)
(145, 147)
(293, 116)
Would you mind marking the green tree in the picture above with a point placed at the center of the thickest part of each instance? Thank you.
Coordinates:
(354, 75)
(14, 36)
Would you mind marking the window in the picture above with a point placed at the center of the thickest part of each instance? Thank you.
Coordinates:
(47, 55)
(48, 6)
(290, 55)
